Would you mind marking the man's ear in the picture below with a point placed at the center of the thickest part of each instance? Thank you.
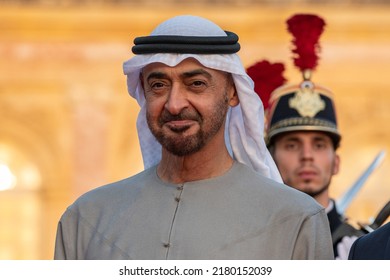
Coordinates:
(234, 101)
(232, 93)
(141, 79)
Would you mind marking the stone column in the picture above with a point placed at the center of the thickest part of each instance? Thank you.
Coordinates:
(89, 116)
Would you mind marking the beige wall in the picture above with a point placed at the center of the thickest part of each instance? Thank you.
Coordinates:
(67, 124)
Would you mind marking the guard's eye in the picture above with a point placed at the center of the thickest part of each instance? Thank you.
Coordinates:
(320, 145)
(291, 146)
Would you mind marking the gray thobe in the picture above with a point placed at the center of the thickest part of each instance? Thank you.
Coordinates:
(240, 215)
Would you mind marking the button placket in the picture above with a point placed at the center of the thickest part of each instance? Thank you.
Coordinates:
(177, 198)
(178, 195)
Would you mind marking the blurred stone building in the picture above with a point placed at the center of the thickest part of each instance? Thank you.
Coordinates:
(67, 124)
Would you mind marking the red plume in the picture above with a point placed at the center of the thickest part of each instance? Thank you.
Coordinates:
(267, 77)
(306, 29)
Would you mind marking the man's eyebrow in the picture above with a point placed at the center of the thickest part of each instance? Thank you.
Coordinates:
(187, 74)
(196, 72)
(156, 75)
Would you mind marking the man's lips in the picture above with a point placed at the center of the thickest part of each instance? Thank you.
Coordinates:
(179, 125)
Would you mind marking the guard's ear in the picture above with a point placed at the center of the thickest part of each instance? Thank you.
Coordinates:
(336, 165)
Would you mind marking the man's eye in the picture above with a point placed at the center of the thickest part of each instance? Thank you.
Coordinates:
(195, 84)
(157, 85)
(198, 83)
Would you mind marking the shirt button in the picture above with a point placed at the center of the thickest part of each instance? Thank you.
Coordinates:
(166, 245)
(180, 188)
(177, 199)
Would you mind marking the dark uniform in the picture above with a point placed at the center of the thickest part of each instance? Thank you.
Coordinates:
(339, 228)
(372, 246)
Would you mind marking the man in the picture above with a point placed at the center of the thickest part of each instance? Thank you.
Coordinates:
(301, 130)
(209, 189)
(372, 246)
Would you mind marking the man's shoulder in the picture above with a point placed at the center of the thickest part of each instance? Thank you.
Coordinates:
(114, 192)
(276, 192)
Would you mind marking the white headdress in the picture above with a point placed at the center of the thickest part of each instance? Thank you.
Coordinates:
(245, 125)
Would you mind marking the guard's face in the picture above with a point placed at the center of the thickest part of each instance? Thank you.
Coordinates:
(186, 104)
(306, 160)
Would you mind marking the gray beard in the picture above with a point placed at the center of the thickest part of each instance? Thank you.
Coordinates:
(183, 146)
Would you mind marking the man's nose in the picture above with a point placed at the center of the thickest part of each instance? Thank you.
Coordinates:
(177, 99)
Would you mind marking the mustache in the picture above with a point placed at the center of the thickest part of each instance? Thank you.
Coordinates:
(183, 115)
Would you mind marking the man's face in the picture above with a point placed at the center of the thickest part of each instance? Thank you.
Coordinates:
(186, 105)
(306, 160)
